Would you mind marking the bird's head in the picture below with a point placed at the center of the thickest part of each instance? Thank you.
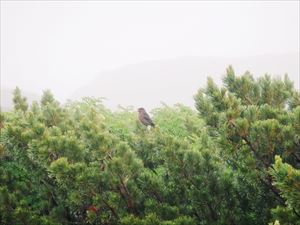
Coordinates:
(140, 110)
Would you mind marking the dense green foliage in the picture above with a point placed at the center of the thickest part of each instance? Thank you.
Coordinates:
(80, 163)
(252, 121)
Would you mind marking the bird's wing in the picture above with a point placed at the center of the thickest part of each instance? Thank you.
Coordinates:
(147, 118)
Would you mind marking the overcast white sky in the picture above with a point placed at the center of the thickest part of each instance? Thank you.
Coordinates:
(63, 45)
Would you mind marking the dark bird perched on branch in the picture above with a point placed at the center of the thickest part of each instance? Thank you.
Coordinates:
(145, 118)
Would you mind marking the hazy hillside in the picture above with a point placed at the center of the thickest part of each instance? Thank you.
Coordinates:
(170, 81)
(177, 80)
(6, 96)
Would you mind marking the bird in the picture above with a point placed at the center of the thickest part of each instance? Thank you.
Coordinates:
(145, 118)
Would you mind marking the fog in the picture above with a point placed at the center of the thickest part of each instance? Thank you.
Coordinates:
(64, 46)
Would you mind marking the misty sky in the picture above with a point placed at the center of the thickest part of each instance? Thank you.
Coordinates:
(64, 45)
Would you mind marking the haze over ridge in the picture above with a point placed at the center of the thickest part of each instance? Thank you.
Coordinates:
(176, 80)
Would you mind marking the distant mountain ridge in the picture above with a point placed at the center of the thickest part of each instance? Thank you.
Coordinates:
(170, 81)
(177, 80)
